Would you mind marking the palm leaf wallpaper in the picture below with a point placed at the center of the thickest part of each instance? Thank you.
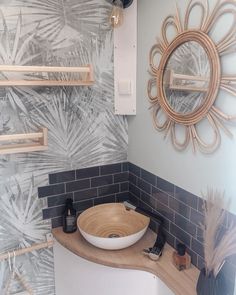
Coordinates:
(83, 130)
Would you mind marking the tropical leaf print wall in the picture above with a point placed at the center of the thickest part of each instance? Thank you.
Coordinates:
(83, 130)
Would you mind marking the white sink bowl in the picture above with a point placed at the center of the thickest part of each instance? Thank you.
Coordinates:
(111, 226)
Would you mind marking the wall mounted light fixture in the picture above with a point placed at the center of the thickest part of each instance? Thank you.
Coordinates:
(117, 15)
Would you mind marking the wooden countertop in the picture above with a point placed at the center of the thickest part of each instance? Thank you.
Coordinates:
(180, 282)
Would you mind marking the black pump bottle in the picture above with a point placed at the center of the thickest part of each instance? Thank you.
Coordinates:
(69, 217)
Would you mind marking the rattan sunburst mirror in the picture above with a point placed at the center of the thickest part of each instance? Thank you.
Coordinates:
(186, 76)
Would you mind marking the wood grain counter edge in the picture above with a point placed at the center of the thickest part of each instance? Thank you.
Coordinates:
(180, 282)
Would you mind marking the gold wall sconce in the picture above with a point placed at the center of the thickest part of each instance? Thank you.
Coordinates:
(117, 13)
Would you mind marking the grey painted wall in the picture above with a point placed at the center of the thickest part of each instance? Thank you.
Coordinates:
(147, 147)
(83, 131)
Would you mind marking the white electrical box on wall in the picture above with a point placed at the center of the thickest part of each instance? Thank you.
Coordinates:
(125, 62)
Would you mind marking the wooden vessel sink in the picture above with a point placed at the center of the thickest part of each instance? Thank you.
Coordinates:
(112, 226)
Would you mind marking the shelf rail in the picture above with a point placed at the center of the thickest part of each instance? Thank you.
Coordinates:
(39, 142)
(34, 247)
(86, 79)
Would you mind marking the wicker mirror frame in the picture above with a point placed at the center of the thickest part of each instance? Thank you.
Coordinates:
(217, 82)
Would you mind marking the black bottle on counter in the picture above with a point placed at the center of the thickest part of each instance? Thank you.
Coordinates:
(69, 217)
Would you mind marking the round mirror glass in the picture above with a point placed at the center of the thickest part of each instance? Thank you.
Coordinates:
(186, 78)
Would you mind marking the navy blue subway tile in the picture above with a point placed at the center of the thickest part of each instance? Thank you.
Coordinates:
(148, 177)
(148, 199)
(134, 169)
(199, 234)
(160, 196)
(108, 190)
(87, 172)
(85, 194)
(179, 207)
(145, 206)
(83, 205)
(56, 222)
(59, 199)
(121, 197)
(197, 247)
(186, 197)
(51, 190)
(132, 178)
(125, 167)
(193, 255)
(185, 224)
(77, 185)
(101, 181)
(143, 185)
(196, 217)
(111, 169)
(62, 177)
(134, 190)
(165, 186)
(164, 211)
(104, 200)
(53, 212)
(133, 199)
(170, 239)
(180, 234)
(121, 177)
(124, 186)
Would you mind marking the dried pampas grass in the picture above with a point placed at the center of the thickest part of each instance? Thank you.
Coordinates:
(216, 248)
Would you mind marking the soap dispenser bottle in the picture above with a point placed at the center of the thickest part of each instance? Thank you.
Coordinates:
(181, 258)
(69, 217)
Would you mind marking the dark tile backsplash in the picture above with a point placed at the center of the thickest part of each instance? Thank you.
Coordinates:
(90, 193)
(51, 190)
(182, 211)
(111, 169)
(73, 186)
(62, 177)
(59, 200)
(185, 197)
(101, 180)
(87, 187)
(87, 172)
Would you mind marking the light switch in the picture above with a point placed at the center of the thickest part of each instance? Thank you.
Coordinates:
(124, 87)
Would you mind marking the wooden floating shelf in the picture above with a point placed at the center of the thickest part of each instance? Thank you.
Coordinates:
(87, 71)
(39, 142)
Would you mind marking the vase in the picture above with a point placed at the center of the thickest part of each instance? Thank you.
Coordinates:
(208, 284)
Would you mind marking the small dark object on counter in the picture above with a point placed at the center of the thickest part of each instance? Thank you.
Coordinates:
(181, 259)
(69, 217)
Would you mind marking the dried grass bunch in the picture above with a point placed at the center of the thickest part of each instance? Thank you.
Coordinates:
(218, 246)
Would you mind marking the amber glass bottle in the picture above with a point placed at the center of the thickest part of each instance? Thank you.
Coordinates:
(181, 258)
